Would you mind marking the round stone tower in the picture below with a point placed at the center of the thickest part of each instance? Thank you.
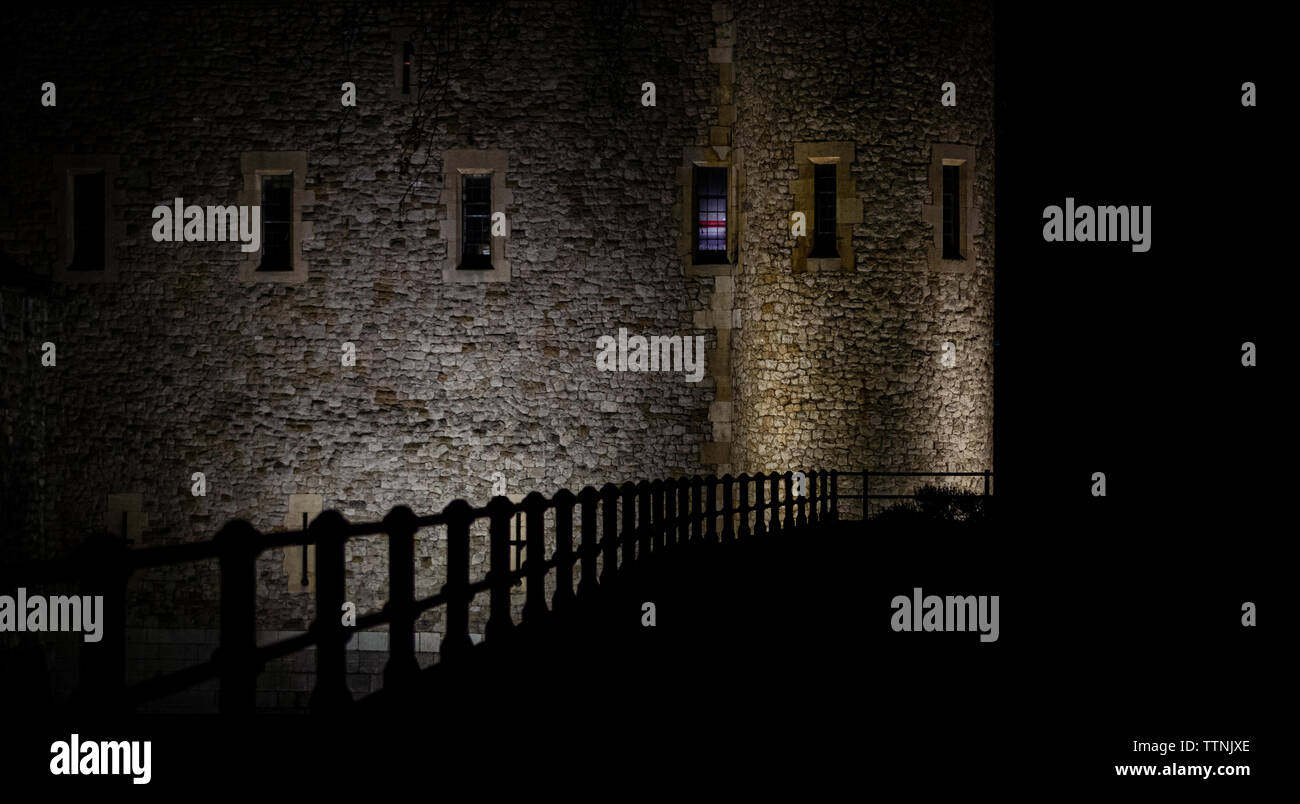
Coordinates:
(864, 339)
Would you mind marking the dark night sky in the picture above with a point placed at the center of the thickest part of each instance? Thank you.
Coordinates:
(1130, 363)
(1122, 361)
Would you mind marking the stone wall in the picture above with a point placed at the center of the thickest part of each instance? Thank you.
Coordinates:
(179, 367)
(842, 368)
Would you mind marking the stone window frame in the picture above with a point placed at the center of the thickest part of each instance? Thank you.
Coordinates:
(963, 156)
(848, 205)
(456, 163)
(65, 167)
(684, 210)
(254, 165)
(399, 37)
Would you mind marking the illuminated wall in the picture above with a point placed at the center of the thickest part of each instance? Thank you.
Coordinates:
(845, 366)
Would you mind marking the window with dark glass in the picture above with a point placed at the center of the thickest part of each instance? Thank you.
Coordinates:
(711, 214)
(87, 222)
(824, 211)
(408, 57)
(277, 223)
(952, 212)
(476, 220)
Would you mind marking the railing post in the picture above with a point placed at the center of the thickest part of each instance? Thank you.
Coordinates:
(684, 510)
(304, 579)
(711, 510)
(587, 584)
(657, 530)
(563, 598)
(609, 533)
(236, 654)
(802, 519)
(789, 501)
(500, 512)
(866, 494)
(103, 663)
(743, 532)
(628, 536)
(402, 669)
(697, 510)
(813, 488)
(984, 503)
(728, 526)
(535, 558)
(456, 642)
(760, 528)
(643, 519)
(670, 512)
(818, 491)
(330, 533)
(774, 527)
(835, 495)
(824, 487)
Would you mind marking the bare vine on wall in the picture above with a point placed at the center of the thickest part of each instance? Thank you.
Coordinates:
(443, 35)
(356, 19)
(446, 39)
(437, 40)
(610, 86)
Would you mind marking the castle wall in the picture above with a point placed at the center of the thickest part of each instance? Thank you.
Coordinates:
(179, 367)
(842, 368)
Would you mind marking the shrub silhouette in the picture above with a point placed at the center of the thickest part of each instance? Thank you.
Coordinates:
(939, 504)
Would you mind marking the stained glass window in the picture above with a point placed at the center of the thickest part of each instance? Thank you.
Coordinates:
(711, 214)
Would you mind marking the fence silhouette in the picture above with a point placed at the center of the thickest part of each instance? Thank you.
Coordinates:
(620, 526)
(866, 496)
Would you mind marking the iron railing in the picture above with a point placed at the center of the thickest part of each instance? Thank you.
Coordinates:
(675, 514)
